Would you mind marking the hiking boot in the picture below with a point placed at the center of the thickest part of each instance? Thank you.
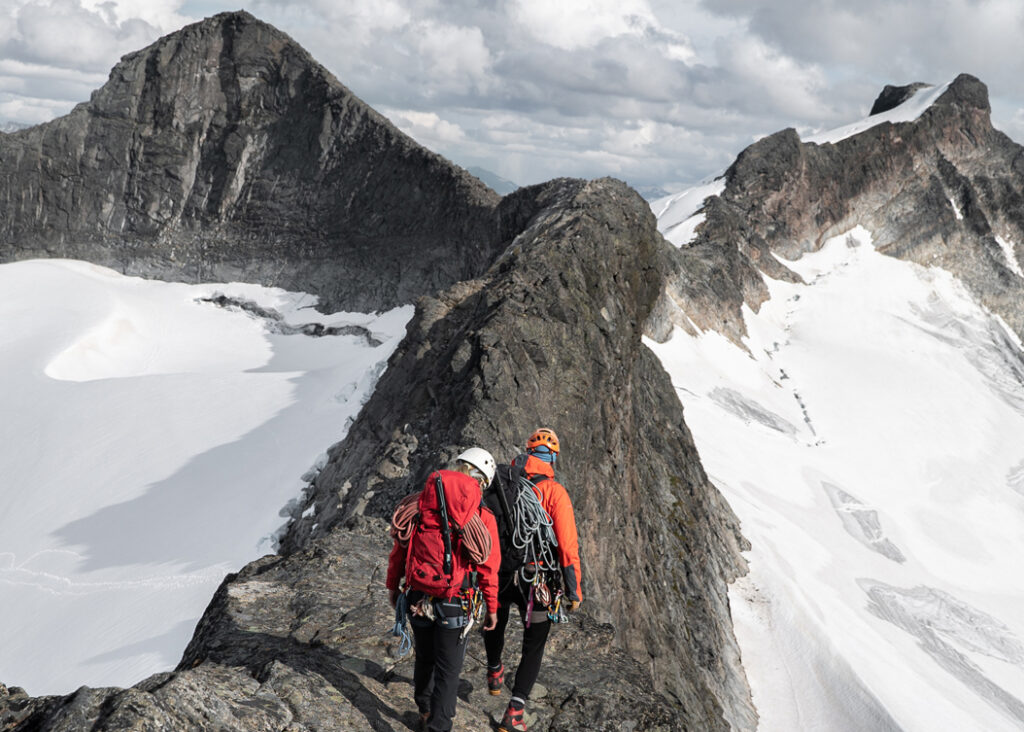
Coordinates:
(424, 718)
(495, 679)
(512, 721)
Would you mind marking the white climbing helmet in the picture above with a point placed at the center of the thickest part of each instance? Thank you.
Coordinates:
(480, 459)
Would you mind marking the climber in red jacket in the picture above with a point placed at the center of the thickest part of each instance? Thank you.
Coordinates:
(444, 534)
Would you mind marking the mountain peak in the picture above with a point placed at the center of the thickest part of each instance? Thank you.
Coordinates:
(967, 91)
(964, 90)
(225, 151)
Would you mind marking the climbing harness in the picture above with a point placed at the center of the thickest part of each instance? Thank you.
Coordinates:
(472, 602)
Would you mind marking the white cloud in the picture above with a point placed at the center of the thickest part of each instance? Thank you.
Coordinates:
(574, 25)
(27, 71)
(161, 14)
(768, 78)
(534, 89)
(65, 34)
(452, 55)
(913, 40)
(427, 128)
(29, 111)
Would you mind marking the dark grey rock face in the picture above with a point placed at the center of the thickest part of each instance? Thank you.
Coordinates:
(893, 96)
(225, 152)
(940, 190)
(550, 335)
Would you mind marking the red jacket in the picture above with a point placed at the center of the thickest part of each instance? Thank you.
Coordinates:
(555, 500)
(487, 572)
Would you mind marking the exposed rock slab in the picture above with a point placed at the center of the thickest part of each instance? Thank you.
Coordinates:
(893, 96)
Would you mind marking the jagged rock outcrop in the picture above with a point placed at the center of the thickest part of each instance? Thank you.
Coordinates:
(551, 334)
(941, 190)
(225, 152)
(893, 96)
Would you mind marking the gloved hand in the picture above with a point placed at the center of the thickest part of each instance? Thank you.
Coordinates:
(492, 621)
(393, 597)
(574, 605)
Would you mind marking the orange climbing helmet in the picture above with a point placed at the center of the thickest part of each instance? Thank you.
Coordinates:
(543, 438)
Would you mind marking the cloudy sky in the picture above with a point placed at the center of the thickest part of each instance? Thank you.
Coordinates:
(656, 92)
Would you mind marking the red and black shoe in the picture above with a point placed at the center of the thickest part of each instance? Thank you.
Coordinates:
(495, 679)
(513, 720)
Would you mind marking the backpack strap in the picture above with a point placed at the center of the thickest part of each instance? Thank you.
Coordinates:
(506, 510)
(446, 534)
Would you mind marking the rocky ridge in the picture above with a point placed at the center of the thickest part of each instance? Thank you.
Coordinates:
(942, 190)
(225, 152)
(552, 334)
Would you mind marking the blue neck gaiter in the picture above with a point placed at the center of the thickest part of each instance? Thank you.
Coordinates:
(543, 453)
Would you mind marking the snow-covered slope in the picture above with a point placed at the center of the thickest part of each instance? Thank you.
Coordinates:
(679, 214)
(869, 438)
(150, 443)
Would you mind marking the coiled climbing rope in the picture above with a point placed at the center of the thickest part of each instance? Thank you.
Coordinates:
(476, 539)
(530, 521)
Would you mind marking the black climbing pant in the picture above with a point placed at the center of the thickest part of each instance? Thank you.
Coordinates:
(534, 638)
(439, 656)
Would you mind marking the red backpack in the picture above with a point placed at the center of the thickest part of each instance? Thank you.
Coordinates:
(435, 563)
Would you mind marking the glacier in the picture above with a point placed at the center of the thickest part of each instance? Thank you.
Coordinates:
(152, 442)
(867, 434)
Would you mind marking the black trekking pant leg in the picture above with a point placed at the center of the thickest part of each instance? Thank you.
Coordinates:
(423, 664)
(534, 639)
(436, 682)
(494, 640)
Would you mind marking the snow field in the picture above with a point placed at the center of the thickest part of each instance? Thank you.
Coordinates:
(867, 439)
(149, 441)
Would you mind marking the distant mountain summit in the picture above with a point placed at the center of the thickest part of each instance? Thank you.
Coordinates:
(494, 181)
(942, 188)
(224, 151)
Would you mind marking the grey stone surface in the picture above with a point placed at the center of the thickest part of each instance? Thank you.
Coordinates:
(862, 523)
(552, 336)
(225, 152)
(749, 410)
